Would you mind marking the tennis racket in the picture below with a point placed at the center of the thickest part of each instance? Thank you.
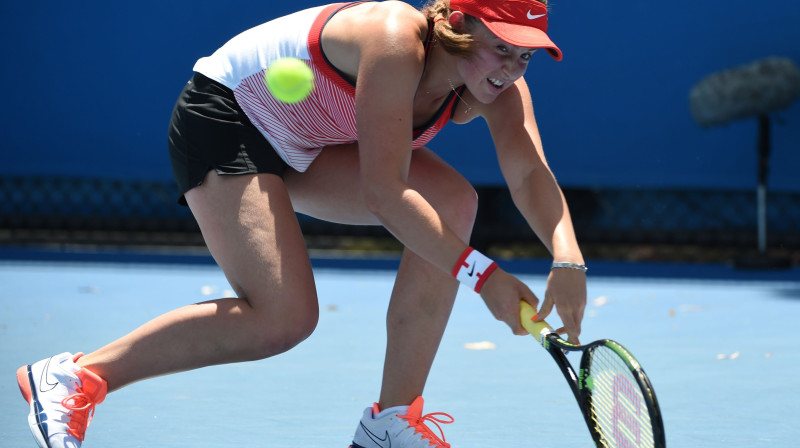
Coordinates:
(613, 392)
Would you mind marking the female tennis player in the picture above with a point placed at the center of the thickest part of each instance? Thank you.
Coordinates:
(388, 77)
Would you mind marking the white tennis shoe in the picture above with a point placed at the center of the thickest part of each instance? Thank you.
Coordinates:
(62, 397)
(400, 427)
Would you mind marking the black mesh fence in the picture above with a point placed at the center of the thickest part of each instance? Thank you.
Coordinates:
(689, 223)
(59, 210)
(705, 217)
(674, 224)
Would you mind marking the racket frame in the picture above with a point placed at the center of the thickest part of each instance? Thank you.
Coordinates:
(557, 347)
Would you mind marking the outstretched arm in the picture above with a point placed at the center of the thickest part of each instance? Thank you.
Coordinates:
(539, 198)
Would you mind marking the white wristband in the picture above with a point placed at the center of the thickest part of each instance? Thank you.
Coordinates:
(473, 268)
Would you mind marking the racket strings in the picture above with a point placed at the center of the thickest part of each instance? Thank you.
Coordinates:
(618, 406)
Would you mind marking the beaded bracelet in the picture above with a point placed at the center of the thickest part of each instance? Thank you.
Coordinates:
(560, 264)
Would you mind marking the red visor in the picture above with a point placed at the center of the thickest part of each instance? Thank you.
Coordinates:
(519, 22)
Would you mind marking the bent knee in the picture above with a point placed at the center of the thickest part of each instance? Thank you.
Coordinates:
(450, 193)
(461, 209)
(277, 329)
(281, 337)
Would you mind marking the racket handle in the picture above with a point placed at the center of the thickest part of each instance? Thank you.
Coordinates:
(539, 330)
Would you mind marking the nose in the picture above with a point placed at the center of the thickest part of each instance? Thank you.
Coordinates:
(513, 70)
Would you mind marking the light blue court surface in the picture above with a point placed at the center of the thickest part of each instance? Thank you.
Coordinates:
(721, 352)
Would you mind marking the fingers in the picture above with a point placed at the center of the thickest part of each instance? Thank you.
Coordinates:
(547, 308)
(528, 296)
(572, 337)
(572, 326)
(502, 293)
(572, 321)
(512, 319)
(566, 292)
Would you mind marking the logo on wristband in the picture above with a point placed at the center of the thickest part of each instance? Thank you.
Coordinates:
(473, 268)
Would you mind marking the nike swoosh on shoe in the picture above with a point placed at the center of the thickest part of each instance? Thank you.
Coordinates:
(377, 440)
(45, 375)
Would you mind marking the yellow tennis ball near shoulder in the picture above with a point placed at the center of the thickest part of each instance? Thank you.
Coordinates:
(290, 80)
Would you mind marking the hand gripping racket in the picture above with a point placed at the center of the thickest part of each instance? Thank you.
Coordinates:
(613, 392)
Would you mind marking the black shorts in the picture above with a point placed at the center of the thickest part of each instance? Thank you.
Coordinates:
(208, 130)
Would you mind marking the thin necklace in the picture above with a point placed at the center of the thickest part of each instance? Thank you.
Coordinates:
(469, 108)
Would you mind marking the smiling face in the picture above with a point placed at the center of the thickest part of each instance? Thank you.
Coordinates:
(493, 66)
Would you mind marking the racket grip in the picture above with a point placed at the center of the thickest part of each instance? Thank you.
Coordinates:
(539, 330)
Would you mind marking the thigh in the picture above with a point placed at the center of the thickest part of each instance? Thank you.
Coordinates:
(208, 130)
(250, 228)
(331, 188)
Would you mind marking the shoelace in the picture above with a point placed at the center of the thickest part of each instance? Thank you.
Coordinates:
(82, 408)
(418, 423)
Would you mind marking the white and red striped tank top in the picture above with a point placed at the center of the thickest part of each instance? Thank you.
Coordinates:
(298, 132)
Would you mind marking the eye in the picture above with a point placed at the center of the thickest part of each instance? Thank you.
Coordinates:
(502, 49)
(527, 56)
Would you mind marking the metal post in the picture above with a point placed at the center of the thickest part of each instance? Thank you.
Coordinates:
(763, 170)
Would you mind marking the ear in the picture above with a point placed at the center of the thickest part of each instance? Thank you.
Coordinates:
(457, 20)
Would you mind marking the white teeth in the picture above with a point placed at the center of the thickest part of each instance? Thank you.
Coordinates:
(495, 82)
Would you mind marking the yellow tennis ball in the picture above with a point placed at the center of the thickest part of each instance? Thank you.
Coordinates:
(290, 80)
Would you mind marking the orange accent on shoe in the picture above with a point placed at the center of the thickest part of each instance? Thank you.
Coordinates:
(24, 384)
(375, 409)
(89, 394)
(417, 421)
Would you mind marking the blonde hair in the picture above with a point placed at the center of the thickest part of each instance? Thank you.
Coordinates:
(454, 42)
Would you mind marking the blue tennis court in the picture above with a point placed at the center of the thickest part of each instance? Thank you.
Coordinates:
(719, 346)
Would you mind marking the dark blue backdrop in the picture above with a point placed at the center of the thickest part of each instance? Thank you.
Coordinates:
(88, 88)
